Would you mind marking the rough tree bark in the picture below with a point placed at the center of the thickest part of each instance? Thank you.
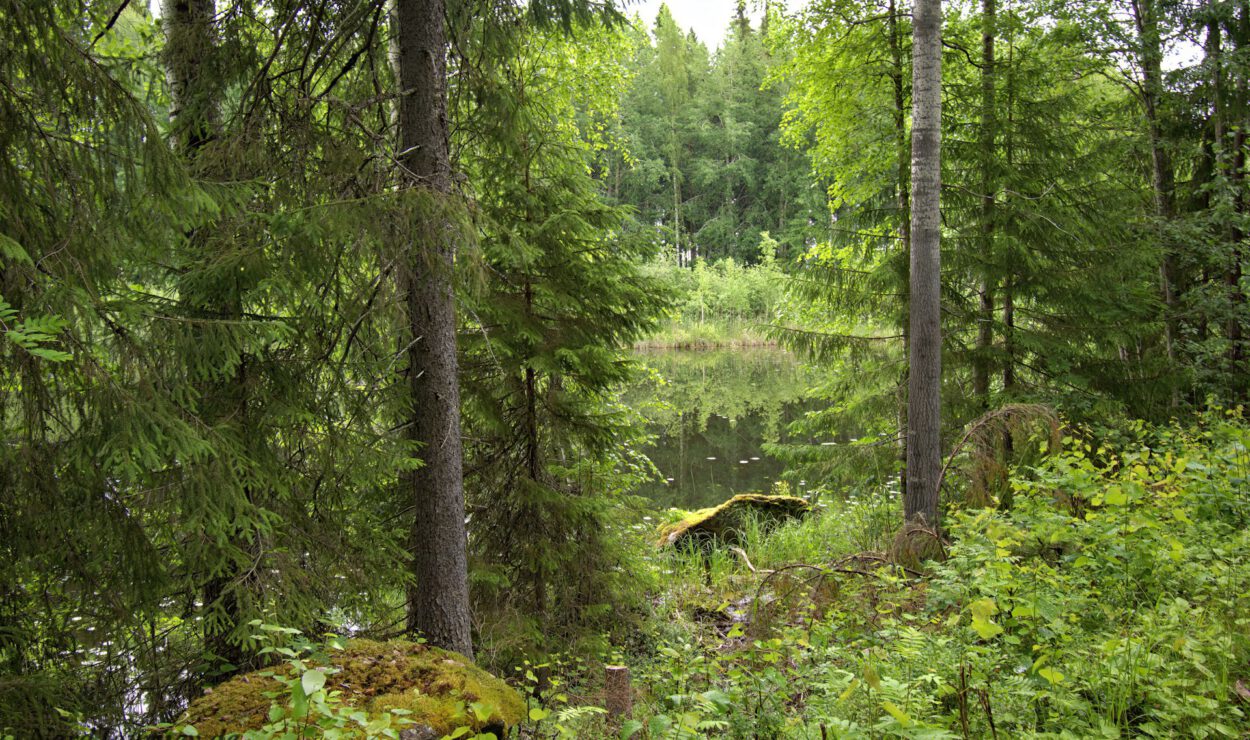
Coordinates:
(438, 599)
(1234, 330)
(920, 504)
(903, 195)
(1008, 357)
(985, 318)
(189, 40)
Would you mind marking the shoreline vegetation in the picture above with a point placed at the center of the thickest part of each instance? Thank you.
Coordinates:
(710, 335)
(724, 304)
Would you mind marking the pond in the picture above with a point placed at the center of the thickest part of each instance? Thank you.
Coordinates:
(711, 412)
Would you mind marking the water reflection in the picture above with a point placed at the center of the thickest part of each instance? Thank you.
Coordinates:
(711, 412)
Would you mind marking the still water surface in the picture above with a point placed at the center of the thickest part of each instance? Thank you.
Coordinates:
(712, 411)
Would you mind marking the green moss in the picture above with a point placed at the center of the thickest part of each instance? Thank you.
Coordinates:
(439, 687)
(724, 523)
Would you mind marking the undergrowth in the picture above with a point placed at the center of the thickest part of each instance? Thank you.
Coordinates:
(1110, 600)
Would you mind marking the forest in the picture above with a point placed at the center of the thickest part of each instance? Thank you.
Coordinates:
(485, 369)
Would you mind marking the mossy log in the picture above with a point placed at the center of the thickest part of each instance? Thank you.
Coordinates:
(436, 686)
(723, 524)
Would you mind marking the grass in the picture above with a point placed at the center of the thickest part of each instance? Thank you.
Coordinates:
(714, 333)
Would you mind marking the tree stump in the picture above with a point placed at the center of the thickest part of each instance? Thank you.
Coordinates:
(618, 698)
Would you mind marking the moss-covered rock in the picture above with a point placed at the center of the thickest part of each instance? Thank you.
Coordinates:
(439, 687)
(724, 523)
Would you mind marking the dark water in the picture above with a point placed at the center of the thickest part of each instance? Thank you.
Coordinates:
(711, 412)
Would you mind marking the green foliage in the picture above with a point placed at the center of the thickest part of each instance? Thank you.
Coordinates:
(33, 334)
(1046, 280)
(203, 328)
(206, 445)
(551, 711)
(1110, 600)
(723, 303)
(702, 160)
(545, 341)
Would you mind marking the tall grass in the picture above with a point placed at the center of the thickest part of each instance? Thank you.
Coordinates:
(722, 304)
(716, 333)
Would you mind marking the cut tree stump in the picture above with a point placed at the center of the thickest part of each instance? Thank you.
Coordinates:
(617, 693)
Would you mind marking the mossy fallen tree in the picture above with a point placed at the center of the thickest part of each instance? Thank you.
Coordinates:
(723, 524)
(439, 690)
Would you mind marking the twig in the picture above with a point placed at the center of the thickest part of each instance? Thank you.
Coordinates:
(112, 21)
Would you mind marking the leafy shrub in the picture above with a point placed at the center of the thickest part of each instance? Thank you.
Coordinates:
(1111, 599)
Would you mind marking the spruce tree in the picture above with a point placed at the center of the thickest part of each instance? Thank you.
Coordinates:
(438, 599)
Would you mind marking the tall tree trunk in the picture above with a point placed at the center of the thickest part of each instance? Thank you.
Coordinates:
(903, 196)
(533, 450)
(1150, 60)
(1008, 253)
(533, 468)
(985, 318)
(677, 212)
(189, 43)
(438, 599)
(924, 396)
(1234, 330)
(189, 40)
(1215, 65)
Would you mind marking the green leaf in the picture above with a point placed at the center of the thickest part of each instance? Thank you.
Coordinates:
(850, 689)
(312, 681)
(982, 610)
(630, 728)
(718, 698)
(985, 628)
(897, 713)
(1051, 675)
(538, 714)
(51, 355)
(481, 711)
(190, 731)
(871, 678)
